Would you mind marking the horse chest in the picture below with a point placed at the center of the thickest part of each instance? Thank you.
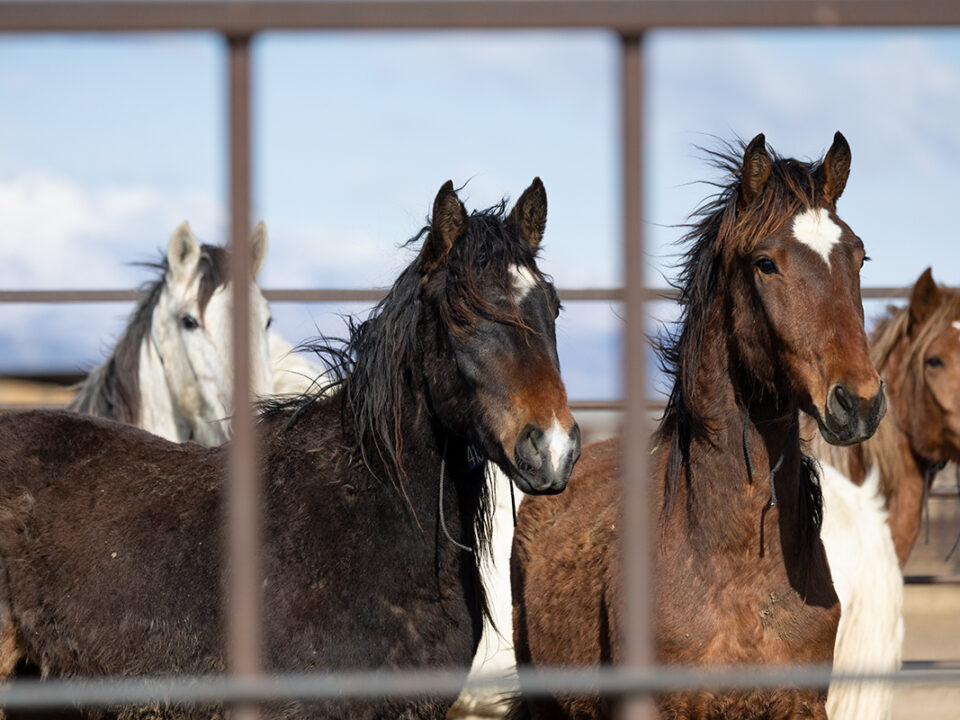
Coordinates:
(749, 616)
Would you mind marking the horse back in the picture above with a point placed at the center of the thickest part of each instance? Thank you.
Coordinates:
(83, 498)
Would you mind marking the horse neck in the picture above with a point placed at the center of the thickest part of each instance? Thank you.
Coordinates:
(158, 411)
(721, 506)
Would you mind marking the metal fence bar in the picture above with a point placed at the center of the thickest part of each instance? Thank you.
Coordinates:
(242, 606)
(371, 295)
(636, 519)
(627, 17)
(617, 681)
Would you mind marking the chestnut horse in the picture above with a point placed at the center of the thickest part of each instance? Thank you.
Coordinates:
(374, 510)
(874, 492)
(772, 324)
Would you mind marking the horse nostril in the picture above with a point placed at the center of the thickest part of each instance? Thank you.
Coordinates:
(843, 398)
(528, 450)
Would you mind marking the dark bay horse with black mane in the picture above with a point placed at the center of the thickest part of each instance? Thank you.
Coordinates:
(110, 538)
(772, 324)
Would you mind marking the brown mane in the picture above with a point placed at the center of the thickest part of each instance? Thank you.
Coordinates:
(720, 230)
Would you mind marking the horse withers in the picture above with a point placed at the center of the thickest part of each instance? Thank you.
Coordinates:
(375, 506)
(874, 492)
(171, 372)
(772, 324)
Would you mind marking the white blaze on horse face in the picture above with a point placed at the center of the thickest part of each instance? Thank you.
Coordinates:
(558, 443)
(522, 280)
(817, 231)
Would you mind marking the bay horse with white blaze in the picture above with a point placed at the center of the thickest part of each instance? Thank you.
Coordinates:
(874, 492)
(365, 490)
(772, 324)
(171, 371)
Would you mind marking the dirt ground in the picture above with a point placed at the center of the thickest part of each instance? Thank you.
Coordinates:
(932, 612)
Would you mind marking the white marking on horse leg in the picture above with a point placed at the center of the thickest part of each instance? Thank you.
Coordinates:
(816, 230)
(523, 279)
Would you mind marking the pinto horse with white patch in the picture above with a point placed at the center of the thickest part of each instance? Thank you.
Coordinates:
(375, 512)
(874, 492)
(772, 324)
(171, 371)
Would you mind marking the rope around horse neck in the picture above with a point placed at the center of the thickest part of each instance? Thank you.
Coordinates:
(443, 520)
(746, 452)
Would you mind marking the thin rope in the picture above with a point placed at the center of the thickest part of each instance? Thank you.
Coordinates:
(513, 501)
(443, 520)
(746, 452)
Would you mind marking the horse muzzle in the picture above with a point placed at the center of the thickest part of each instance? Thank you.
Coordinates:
(848, 419)
(544, 459)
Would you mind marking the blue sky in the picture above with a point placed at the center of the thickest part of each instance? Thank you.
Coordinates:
(106, 143)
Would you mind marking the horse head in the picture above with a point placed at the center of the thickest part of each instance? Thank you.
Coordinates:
(794, 268)
(191, 333)
(487, 315)
(917, 349)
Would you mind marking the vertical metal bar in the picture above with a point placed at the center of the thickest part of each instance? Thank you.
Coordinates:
(243, 603)
(638, 519)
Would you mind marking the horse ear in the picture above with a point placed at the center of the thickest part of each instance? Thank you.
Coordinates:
(755, 171)
(183, 253)
(447, 225)
(835, 169)
(923, 300)
(529, 215)
(258, 248)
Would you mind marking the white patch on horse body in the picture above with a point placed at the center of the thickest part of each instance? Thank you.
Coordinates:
(293, 374)
(817, 231)
(956, 324)
(523, 280)
(868, 581)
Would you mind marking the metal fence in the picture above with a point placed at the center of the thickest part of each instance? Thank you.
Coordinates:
(238, 22)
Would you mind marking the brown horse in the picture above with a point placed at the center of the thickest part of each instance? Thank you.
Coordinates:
(772, 324)
(916, 349)
(874, 492)
(374, 509)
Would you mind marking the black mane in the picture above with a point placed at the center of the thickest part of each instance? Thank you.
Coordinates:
(112, 389)
(377, 367)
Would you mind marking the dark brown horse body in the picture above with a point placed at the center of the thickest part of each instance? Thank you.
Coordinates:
(772, 324)
(916, 349)
(110, 538)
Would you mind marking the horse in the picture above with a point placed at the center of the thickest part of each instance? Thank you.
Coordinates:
(874, 492)
(375, 500)
(170, 372)
(292, 372)
(771, 324)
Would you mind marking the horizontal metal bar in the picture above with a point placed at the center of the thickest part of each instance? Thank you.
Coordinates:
(932, 579)
(330, 295)
(623, 16)
(30, 694)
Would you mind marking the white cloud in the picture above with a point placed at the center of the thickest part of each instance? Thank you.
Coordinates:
(58, 233)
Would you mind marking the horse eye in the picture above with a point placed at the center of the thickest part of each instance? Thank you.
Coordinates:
(934, 362)
(269, 322)
(866, 259)
(189, 322)
(766, 266)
